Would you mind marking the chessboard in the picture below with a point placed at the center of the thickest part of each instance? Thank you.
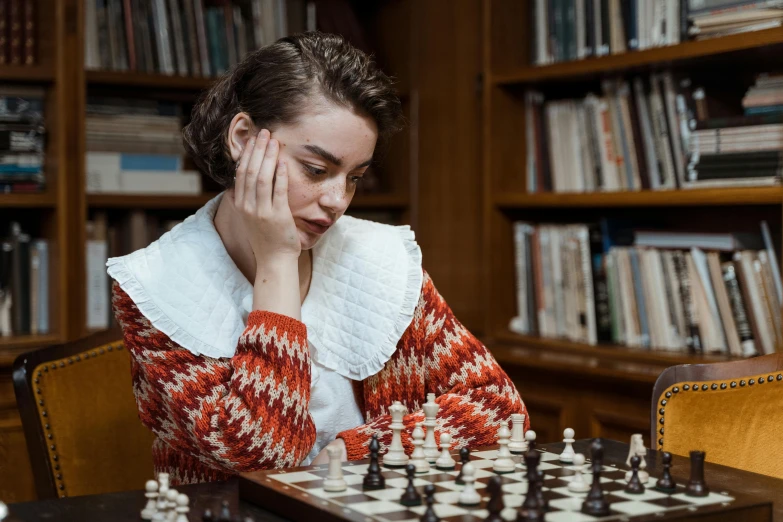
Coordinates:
(298, 494)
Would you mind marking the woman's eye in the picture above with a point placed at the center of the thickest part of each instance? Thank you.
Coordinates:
(356, 179)
(315, 171)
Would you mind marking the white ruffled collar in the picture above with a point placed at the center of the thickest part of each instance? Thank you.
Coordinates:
(365, 285)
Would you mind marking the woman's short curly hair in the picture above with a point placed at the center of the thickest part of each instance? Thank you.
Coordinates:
(272, 85)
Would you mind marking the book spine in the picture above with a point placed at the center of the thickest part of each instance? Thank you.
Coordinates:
(30, 29)
(738, 309)
(4, 32)
(693, 339)
(15, 32)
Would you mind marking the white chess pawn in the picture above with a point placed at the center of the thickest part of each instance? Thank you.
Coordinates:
(3, 510)
(445, 462)
(468, 496)
(182, 508)
(503, 462)
(430, 415)
(418, 459)
(578, 484)
(149, 510)
(334, 480)
(530, 436)
(517, 445)
(171, 501)
(395, 457)
(568, 453)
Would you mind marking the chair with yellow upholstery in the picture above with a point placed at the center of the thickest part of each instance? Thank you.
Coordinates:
(733, 411)
(80, 418)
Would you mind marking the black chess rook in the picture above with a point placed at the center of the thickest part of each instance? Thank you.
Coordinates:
(696, 486)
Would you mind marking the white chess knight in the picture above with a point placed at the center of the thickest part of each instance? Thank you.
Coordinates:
(334, 479)
(445, 462)
(568, 453)
(637, 448)
(503, 462)
(395, 456)
(430, 414)
(418, 459)
(468, 496)
(578, 484)
(517, 445)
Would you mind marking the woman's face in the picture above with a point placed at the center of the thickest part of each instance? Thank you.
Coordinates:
(327, 152)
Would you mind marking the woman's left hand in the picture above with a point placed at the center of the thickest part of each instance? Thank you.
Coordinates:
(323, 457)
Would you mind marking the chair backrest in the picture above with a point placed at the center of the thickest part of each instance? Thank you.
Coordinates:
(731, 410)
(80, 418)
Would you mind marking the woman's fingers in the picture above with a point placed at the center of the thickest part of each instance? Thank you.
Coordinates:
(266, 176)
(280, 197)
(251, 177)
(241, 170)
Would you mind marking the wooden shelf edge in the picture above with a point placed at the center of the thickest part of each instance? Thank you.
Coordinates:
(147, 201)
(608, 352)
(30, 73)
(686, 50)
(370, 201)
(147, 80)
(687, 197)
(28, 341)
(41, 200)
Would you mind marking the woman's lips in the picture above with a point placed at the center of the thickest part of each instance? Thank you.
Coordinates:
(315, 228)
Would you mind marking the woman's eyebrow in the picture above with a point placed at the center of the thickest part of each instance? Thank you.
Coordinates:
(331, 158)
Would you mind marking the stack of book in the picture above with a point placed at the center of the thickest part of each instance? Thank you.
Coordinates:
(18, 32)
(575, 29)
(669, 291)
(135, 147)
(634, 136)
(711, 18)
(184, 37)
(765, 96)
(24, 284)
(22, 133)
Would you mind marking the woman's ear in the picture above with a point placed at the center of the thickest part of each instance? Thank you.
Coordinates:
(239, 132)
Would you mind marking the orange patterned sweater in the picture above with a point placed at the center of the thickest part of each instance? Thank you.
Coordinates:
(216, 417)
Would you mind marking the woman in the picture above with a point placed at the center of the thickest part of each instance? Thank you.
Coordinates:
(267, 326)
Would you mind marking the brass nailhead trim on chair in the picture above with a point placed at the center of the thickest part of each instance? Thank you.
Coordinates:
(705, 387)
(46, 425)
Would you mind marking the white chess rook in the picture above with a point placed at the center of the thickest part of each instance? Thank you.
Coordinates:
(517, 445)
(334, 479)
(430, 414)
(418, 459)
(445, 462)
(503, 463)
(568, 453)
(578, 484)
(395, 456)
(468, 496)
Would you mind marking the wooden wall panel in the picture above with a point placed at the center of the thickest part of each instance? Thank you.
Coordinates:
(449, 141)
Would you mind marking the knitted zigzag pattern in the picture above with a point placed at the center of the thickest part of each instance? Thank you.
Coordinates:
(217, 417)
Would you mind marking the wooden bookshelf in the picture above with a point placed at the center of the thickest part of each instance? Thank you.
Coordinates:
(659, 56)
(662, 198)
(599, 390)
(147, 201)
(27, 342)
(135, 79)
(42, 200)
(379, 201)
(27, 73)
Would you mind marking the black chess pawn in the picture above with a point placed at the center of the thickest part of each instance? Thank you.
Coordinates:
(429, 515)
(696, 486)
(410, 497)
(373, 479)
(530, 510)
(464, 457)
(666, 483)
(207, 516)
(225, 512)
(495, 504)
(635, 486)
(595, 504)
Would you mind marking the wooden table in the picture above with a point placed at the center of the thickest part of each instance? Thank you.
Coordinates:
(126, 506)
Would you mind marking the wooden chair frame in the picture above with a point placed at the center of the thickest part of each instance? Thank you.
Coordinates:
(24, 380)
(708, 372)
